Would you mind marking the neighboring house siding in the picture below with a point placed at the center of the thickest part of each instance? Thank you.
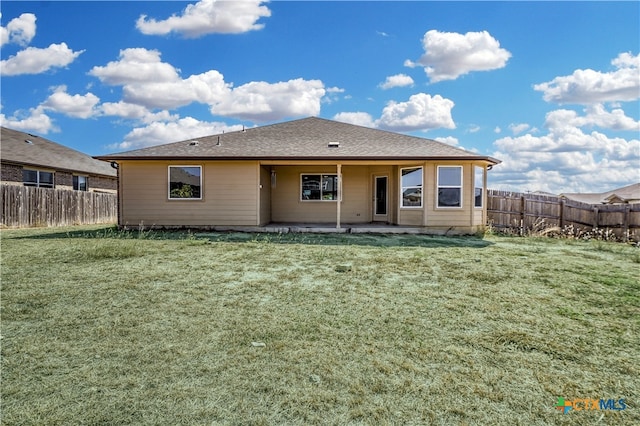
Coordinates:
(63, 180)
(99, 183)
(11, 173)
(230, 191)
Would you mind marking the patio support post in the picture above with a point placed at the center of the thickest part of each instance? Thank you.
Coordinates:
(339, 201)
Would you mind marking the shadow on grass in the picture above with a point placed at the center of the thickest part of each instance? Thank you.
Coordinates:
(374, 240)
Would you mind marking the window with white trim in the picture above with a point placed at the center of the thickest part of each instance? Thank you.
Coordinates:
(478, 185)
(37, 178)
(80, 183)
(185, 182)
(319, 187)
(411, 186)
(449, 186)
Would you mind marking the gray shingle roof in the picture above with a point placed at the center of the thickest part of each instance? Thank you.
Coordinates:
(41, 152)
(304, 139)
(628, 194)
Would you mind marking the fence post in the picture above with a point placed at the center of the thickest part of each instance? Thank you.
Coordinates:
(523, 205)
(595, 217)
(561, 221)
(625, 223)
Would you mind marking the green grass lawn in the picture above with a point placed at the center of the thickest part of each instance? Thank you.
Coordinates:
(103, 327)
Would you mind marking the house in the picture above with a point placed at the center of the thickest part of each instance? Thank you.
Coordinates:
(626, 195)
(31, 160)
(312, 171)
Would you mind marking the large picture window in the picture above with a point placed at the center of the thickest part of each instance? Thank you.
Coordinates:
(185, 182)
(449, 186)
(478, 179)
(37, 178)
(411, 183)
(321, 187)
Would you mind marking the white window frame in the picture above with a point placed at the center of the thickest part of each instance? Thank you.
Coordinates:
(450, 187)
(38, 183)
(322, 175)
(421, 187)
(86, 182)
(169, 182)
(477, 170)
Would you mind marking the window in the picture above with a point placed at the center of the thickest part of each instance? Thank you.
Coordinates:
(37, 178)
(80, 183)
(411, 183)
(185, 182)
(449, 186)
(478, 179)
(319, 187)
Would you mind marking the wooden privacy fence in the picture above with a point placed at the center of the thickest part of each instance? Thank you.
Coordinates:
(24, 206)
(527, 212)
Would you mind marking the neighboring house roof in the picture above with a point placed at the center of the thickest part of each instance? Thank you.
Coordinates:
(305, 139)
(30, 150)
(627, 194)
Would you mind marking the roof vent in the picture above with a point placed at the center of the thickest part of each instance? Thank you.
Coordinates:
(194, 143)
(334, 144)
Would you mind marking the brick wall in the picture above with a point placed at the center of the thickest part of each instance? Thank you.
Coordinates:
(63, 180)
(97, 183)
(10, 173)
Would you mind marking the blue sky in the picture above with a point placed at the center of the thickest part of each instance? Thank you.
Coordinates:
(550, 88)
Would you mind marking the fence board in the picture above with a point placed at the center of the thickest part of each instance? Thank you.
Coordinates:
(527, 212)
(24, 206)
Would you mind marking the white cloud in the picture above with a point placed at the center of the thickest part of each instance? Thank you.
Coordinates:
(151, 83)
(78, 106)
(20, 30)
(36, 121)
(474, 129)
(598, 116)
(357, 118)
(332, 94)
(206, 88)
(518, 128)
(135, 112)
(497, 130)
(158, 133)
(449, 140)
(398, 80)
(208, 17)
(566, 159)
(589, 86)
(33, 60)
(420, 112)
(136, 65)
(449, 55)
(261, 101)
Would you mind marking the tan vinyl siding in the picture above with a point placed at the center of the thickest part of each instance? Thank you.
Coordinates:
(452, 216)
(411, 217)
(229, 193)
(356, 206)
(288, 207)
(265, 195)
